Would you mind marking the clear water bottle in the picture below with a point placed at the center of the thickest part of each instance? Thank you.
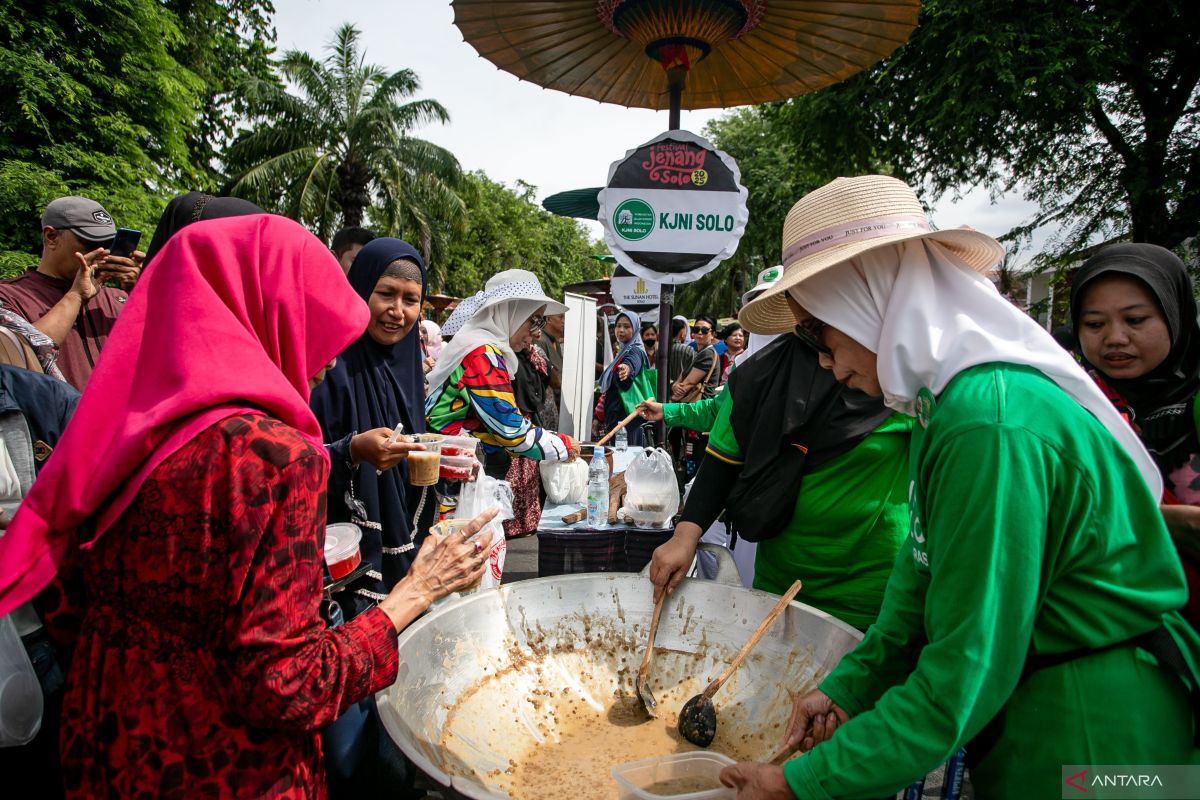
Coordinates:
(597, 506)
(622, 441)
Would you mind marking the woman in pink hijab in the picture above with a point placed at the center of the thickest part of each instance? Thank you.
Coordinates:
(182, 522)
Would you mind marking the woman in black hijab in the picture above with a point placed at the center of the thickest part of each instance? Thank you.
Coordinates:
(1134, 312)
(193, 207)
(377, 383)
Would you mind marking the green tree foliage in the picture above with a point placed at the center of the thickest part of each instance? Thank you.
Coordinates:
(1088, 108)
(776, 171)
(106, 100)
(94, 104)
(222, 42)
(343, 144)
(506, 229)
(776, 174)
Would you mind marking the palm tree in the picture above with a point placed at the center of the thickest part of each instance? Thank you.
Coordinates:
(342, 146)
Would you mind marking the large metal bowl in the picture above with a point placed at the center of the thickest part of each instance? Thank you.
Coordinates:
(600, 619)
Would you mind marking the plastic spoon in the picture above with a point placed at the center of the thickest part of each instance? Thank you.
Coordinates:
(392, 440)
(698, 719)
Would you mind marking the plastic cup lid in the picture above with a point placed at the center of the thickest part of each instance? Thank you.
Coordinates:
(341, 540)
(20, 706)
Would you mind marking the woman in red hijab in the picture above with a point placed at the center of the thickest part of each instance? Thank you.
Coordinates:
(183, 513)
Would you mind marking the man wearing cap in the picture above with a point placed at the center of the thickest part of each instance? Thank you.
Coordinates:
(63, 296)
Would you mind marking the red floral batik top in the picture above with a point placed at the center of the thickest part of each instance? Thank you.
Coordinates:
(201, 667)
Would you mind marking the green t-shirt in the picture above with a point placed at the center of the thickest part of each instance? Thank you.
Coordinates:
(1030, 527)
(851, 516)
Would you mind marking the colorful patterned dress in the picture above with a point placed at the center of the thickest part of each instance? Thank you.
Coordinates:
(477, 399)
(201, 667)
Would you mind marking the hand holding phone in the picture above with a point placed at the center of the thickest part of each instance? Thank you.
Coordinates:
(123, 262)
(125, 242)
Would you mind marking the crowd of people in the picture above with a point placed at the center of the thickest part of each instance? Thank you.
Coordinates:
(1012, 524)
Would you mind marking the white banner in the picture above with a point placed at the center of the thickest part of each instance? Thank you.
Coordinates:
(579, 367)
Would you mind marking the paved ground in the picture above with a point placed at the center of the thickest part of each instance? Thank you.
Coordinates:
(521, 559)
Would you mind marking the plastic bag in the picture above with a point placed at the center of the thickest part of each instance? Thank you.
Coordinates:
(565, 482)
(476, 497)
(652, 497)
(20, 690)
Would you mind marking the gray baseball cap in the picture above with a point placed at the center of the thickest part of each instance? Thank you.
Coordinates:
(86, 218)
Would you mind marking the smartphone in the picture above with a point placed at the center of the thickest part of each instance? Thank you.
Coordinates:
(125, 242)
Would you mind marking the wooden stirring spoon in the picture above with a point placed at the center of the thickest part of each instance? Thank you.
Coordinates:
(698, 719)
(643, 681)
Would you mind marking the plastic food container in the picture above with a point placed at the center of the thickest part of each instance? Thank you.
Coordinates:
(342, 554)
(457, 468)
(459, 446)
(683, 776)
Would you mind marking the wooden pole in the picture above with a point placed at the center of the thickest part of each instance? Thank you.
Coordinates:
(676, 79)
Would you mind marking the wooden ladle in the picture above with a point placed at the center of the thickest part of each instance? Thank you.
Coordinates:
(698, 719)
(643, 681)
(618, 427)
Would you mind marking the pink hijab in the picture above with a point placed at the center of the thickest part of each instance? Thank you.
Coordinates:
(433, 334)
(234, 316)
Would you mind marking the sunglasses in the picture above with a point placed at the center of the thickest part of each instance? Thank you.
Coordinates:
(810, 331)
(537, 324)
(704, 331)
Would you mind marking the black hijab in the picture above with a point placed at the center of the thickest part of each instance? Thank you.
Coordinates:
(789, 416)
(373, 386)
(193, 207)
(784, 396)
(1160, 399)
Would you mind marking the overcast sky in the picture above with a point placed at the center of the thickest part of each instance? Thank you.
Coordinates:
(511, 129)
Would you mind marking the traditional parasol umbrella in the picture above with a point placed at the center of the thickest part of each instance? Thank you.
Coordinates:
(642, 53)
(580, 203)
(440, 302)
(729, 52)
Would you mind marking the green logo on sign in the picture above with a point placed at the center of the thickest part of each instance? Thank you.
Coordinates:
(633, 219)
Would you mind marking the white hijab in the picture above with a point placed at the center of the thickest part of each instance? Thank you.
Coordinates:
(928, 318)
(493, 324)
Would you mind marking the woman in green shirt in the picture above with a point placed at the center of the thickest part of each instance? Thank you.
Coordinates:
(1031, 609)
(811, 471)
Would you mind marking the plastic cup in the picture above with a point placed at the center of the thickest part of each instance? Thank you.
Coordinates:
(424, 466)
(459, 446)
(342, 554)
(457, 468)
(20, 708)
(448, 527)
(20, 691)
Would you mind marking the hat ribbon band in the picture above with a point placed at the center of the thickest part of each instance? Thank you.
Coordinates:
(854, 231)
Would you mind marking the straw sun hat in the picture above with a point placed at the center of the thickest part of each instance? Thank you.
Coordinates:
(846, 218)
